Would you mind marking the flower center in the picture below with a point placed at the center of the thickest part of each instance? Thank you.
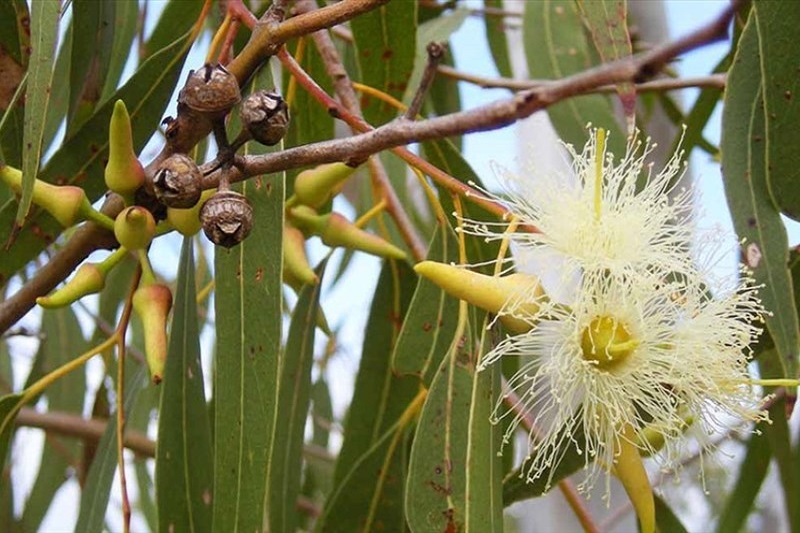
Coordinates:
(607, 342)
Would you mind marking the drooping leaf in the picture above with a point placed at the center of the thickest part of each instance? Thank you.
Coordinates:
(607, 21)
(750, 477)
(81, 158)
(63, 340)
(497, 36)
(126, 16)
(92, 41)
(385, 40)
(14, 41)
(248, 355)
(431, 321)
(97, 491)
(455, 477)
(555, 47)
(780, 86)
(184, 466)
(44, 30)
(666, 521)
(372, 431)
(293, 400)
(755, 217)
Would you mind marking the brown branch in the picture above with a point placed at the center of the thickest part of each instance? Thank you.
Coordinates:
(344, 89)
(71, 425)
(666, 84)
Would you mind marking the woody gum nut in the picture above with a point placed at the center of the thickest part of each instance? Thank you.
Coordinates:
(227, 218)
(491, 293)
(265, 114)
(152, 304)
(124, 173)
(135, 227)
(338, 231)
(88, 279)
(177, 182)
(296, 269)
(314, 187)
(210, 90)
(187, 221)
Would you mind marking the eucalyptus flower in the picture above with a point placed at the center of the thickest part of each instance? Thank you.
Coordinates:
(612, 215)
(642, 356)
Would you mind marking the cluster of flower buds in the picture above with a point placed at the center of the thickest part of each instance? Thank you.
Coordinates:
(313, 190)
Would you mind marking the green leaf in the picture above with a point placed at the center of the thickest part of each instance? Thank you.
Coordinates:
(184, 474)
(9, 407)
(556, 47)
(780, 443)
(92, 40)
(248, 357)
(438, 29)
(318, 474)
(607, 21)
(666, 521)
(385, 40)
(431, 321)
(496, 35)
(372, 432)
(780, 85)
(44, 29)
(293, 399)
(755, 217)
(97, 490)
(751, 475)
(455, 477)
(81, 158)
(63, 340)
(14, 43)
(126, 16)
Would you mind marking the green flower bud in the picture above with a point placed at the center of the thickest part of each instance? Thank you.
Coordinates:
(521, 292)
(88, 279)
(314, 187)
(66, 203)
(124, 173)
(338, 231)
(152, 304)
(135, 227)
(187, 221)
(296, 270)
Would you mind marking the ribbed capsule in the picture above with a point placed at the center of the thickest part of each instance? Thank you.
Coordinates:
(265, 114)
(177, 182)
(227, 218)
(210, 90)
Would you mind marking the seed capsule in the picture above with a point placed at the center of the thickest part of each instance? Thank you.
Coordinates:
(266, 116)
(227, 218)
(177, 182)
(210, 90)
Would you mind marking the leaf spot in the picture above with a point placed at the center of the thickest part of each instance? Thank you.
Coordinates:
(752, 255)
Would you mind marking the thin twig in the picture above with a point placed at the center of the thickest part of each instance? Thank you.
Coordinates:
(666, 84)
(436, 52)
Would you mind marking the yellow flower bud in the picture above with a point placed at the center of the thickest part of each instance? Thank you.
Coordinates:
(124, 173)
(187, 221)
(88, 279)
(66, 203)
(523, 293)
(134, 227)
(296, 270)
(152, 304)
(314, 187)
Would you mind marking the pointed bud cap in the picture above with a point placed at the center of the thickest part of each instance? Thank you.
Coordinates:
(135, 227)
(152, 304)
(314, 187)
(338, 231)
(88, 279)
(296, 270)
(68, 204)
(516, 298)
(124, 173)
